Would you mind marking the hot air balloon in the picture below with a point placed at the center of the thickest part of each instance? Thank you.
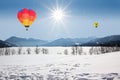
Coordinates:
(26, 17)
(96, 24)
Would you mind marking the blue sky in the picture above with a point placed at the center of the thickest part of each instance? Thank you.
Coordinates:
(82, 14)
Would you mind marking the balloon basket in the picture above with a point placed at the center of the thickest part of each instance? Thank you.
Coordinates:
(26, 29)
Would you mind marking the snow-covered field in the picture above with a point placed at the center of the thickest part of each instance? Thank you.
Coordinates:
(57, 66)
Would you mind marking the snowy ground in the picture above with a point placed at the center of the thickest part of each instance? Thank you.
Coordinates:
(60, 67)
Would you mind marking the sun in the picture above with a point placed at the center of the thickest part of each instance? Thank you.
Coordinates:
(58, 14)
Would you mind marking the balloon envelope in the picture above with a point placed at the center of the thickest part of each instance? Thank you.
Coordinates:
(26, 16)
(96, 24)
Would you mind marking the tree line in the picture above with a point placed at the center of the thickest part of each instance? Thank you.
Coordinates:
(19, 51)
(76, 50)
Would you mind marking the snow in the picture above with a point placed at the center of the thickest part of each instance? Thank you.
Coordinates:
(87, 66)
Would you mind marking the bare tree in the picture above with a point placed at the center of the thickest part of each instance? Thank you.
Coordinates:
(13, 51)
(20, 50)
(76, 50)
(103, 50)
(116, 49)
(7, 51)
(96, 50)
(91, 51)
(2, 51)
(44, 51)
(37, 50)
(73, 51)
(80, 50)
(28, 51)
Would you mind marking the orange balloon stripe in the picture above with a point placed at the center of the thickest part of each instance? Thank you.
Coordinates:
(31, 18)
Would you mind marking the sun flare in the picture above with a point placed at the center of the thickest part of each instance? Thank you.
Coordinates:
(58, 15)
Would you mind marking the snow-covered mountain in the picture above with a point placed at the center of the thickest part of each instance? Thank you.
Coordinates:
(26, 42)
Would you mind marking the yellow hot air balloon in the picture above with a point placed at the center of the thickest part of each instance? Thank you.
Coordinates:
(96, 24)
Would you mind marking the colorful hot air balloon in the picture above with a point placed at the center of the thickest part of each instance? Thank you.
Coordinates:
(26, 17)
(96, 24)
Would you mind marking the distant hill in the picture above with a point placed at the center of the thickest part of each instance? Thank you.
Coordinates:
(5, 44)
(61, 42)
(113, 40)
(25, 42)
(36, 42)
(68, 41)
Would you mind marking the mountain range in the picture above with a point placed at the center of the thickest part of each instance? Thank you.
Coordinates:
(68, 41)
(37, 42)
(113, 40)
(5, 44)
(25, 42)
